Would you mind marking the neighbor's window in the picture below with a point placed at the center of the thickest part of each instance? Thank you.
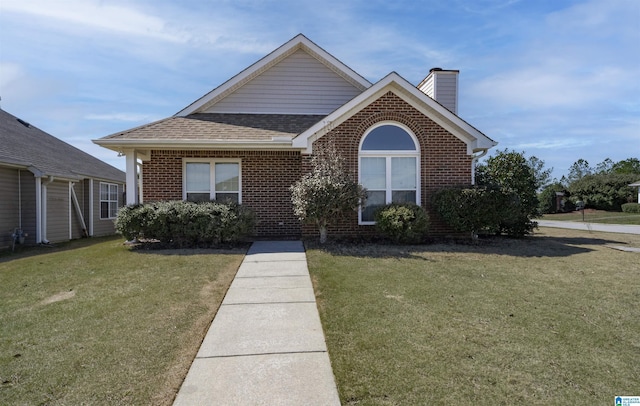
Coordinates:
(388, 168)
(108, 200)
(208, 179)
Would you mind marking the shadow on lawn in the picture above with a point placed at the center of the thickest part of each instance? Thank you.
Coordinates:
(531, 246)
(25, 251)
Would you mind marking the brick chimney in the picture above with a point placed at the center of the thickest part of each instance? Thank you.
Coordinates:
(442, 86)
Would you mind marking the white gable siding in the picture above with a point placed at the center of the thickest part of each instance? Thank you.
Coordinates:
(300, 84)
(446, 91)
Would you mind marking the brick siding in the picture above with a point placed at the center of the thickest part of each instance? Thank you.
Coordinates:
(267, 175)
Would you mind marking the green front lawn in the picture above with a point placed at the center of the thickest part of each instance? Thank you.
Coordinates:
(596, 216)
(95, 323)
(548, 319)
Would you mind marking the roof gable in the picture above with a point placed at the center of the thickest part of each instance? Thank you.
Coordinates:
(297, 78)
(24, 145)
(475, 140)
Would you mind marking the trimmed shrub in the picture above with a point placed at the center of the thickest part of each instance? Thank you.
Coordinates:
(405, 223)
(478, 210)
(631, 207)
(186, 224)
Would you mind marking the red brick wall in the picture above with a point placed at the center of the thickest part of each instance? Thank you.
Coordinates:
(267, 175)
(266, 178)
(444, 160)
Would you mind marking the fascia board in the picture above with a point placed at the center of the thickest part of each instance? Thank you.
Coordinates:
(118, 145)
(474, 139)
(263, 64)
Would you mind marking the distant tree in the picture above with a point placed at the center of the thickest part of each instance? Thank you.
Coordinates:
(548, 198)
(630, 165)
(509, 171)
(579, 170)
(542, 175)
(605, 166)
(326, 193)
(605, 191)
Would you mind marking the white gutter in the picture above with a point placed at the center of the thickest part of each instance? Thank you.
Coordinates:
(474, 160)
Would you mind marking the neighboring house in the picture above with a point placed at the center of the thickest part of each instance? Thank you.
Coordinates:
(251, 138)
(51, 190)
(636, 184)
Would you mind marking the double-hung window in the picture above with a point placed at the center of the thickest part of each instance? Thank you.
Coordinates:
(211, 179)
(108, 200)
(389, 168)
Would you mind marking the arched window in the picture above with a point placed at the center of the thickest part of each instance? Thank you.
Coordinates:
(389, 167)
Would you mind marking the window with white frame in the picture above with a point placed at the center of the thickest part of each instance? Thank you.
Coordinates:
(389, 168)
(209, 179)
(108, 200)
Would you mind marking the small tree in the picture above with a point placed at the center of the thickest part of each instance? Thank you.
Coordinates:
(509, 172)
(327, 193)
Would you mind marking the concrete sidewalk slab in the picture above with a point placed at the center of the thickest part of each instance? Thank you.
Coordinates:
(265, 328)
(273, 289)
(606, 228)
(282, 379)
(266, 345)
(265, 269)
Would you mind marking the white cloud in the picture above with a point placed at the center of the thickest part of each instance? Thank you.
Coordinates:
(127, 117)
(98, 15)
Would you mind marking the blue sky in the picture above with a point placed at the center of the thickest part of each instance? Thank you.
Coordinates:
(558, 79)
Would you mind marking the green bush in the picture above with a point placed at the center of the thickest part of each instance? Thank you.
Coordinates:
(631, 207)
(186, 224)
(606, 191)
(478, 210)
(405, 223)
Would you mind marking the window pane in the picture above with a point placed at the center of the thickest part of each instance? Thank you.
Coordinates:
(374, 201)
(373, 173)
(388, 138)
(403, 196)
(104, 210)
(113, 209)
(113, 192)
(104, 191)
(403, 173)
(227, 197)
(198, 197)
(227, 177)
(198, 177)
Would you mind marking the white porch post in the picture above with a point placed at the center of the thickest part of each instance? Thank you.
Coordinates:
(132, 176)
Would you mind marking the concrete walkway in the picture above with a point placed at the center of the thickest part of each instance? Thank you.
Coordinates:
(607, 228)
(266, 345)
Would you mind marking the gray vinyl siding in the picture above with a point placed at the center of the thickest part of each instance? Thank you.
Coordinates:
(446, 90)
(9, 201)
(58, 211)
(427, 86)
(76, 224)
(28, 182)
(8, 204)
(300, 84)
(103, 226)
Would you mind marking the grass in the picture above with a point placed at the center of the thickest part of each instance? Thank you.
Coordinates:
(547, 319)
(596, 216)
(93, 322)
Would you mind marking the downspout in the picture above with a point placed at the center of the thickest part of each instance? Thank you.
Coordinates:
(38, 209)
(474, 160)
(19, 201)
(43, 216)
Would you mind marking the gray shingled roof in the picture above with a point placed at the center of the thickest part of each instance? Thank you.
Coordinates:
(219, 126)
(25, 145)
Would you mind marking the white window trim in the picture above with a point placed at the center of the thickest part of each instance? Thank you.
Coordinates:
(117, 201)
(212, 179)
(388, 154)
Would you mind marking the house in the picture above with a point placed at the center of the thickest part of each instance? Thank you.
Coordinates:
(50, 190)
(636, 184)
(252, 137)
